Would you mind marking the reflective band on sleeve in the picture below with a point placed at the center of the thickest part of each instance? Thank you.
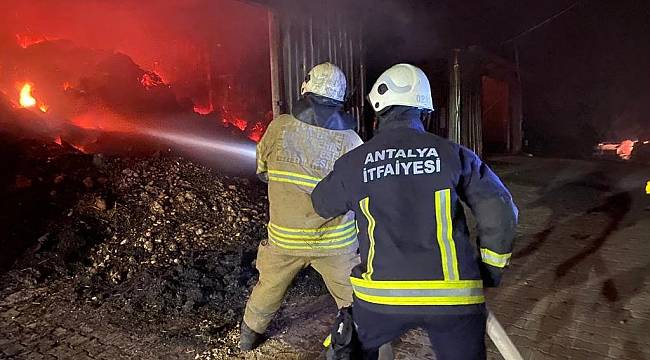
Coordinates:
(332, 237)
(328, 341)
(647, 188)
(495, 259)
(444, 235)
(424, 292)
(293, 178)
(364, 204)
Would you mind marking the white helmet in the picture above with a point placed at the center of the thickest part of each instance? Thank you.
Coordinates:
(326, 80)
(402, 84)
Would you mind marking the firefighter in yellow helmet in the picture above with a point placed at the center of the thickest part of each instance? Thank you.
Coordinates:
(295, 153)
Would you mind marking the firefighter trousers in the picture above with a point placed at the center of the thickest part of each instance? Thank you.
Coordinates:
(453, 337)
(277, 271)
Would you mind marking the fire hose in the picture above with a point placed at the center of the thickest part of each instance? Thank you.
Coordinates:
(500, 339)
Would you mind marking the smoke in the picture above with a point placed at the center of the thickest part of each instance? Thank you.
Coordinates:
(206, 49)
(169, 36)
(109, 70)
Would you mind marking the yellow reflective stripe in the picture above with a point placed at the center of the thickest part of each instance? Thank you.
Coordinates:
(302, 238)
(290, 181)
(423, 301)
(328, 341)
(417, 284)
(495, 259)
(450, 236)
(419, 292)
(298, 175)
(441, 243)
(647, 188)
(444, 234)
(312, 246)
(364, 204)
(337, 227)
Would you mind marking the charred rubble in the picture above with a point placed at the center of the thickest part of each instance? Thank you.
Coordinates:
(146, 241)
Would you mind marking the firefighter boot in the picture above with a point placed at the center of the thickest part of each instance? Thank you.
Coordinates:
(249, 339)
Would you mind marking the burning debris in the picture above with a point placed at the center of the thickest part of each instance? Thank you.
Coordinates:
(100, 91)
(625, 150)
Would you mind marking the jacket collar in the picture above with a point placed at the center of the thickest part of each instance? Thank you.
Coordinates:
(322, 112)
(400, 117)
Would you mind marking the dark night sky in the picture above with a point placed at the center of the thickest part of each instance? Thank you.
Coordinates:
(586, 74)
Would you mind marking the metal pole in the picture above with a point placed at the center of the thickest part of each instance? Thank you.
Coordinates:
(274, 52)
(455, 99)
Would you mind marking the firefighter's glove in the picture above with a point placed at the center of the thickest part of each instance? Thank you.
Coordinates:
(342, 343)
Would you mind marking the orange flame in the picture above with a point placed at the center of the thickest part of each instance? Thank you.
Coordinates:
(58, 141)
(26, 98)
(43, 107)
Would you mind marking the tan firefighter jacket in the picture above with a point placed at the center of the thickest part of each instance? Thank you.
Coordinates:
(294, 156)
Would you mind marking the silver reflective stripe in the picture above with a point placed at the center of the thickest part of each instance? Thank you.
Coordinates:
(445, 202)
(498, 260)
(280, 231)
(420, 292)
(313, 244)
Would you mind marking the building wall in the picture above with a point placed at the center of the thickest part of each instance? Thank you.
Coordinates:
(302, 39)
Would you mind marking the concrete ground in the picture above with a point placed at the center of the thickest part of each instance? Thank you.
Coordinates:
(578, 287)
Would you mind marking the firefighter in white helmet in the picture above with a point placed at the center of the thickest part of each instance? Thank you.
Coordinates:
(418, 267)
(295, 153)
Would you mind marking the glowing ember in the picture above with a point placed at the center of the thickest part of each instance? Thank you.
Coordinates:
(79, 147)
(240, 123)
(625, 149)
(44, 108)
(25, 41)
(257, 132)
(26, 98)
(58, 141)
(203, 110)
(151, 79)
(66, 86)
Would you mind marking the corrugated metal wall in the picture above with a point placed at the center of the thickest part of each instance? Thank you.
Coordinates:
(309, 39)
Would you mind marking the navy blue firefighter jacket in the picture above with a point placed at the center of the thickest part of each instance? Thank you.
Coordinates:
(406, 187)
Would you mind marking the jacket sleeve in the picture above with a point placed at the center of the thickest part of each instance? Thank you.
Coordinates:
(495, 213)
(262, 153)
(329, 197)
